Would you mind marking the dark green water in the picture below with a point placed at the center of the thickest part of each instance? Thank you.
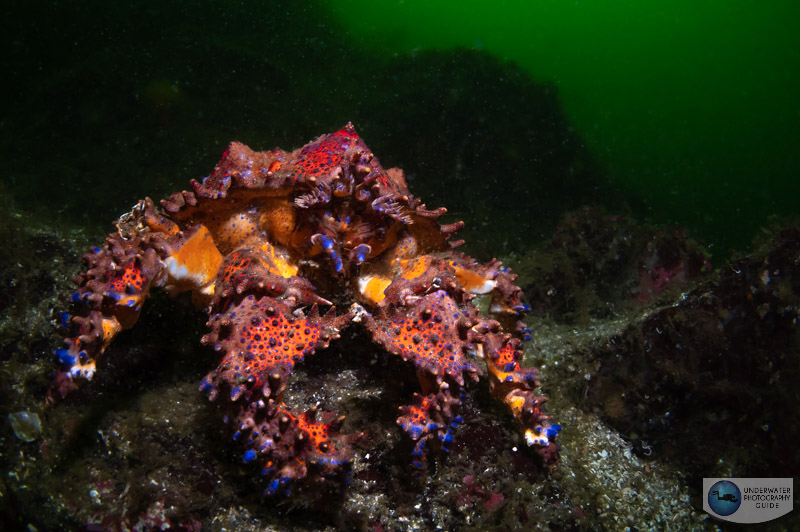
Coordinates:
(682, 112)
(691, 106)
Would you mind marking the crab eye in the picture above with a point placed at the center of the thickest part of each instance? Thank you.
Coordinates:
(436, 283)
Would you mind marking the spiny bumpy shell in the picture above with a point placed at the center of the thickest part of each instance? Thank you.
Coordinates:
(286, 249)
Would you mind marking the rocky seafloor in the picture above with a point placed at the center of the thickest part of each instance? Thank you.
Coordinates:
(662, 366)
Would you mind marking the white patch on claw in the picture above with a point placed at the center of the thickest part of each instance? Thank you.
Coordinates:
(533, 439)
(485, 288)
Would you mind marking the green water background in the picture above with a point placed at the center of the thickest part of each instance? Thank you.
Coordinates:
(692, 106)
(689, 109)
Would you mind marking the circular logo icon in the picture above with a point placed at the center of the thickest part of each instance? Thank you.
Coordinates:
(724, 497)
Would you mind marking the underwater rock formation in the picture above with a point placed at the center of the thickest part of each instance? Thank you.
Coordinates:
(715, 372)
(597, 264)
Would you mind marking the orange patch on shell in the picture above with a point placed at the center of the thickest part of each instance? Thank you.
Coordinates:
(415, 415)
(130, 279)
(278, 219)
(268, 339)
(428, 336)
(415, 267)
(279, 263)
(317, 432)
(472, 281)
(129, 286)
(196, 263)
(237, 230)
(372, 287)
(505, 366)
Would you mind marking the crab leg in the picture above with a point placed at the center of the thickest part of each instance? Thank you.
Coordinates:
(514, 384)
(147, 251)
(262, 339)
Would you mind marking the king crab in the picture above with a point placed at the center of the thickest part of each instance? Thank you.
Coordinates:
(272, 244)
